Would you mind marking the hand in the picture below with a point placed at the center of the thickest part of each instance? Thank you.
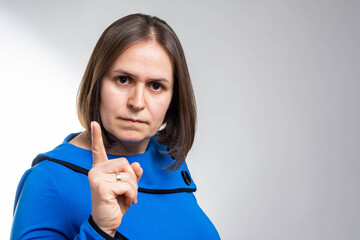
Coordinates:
(110, 198)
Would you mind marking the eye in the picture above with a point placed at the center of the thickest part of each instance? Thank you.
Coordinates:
(156, 86)
(122, 80)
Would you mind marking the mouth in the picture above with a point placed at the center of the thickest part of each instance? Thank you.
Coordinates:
(132, 120)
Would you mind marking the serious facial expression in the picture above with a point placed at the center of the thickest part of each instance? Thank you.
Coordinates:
(136, 93)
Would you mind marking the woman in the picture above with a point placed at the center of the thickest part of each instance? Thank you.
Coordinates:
(138, 185)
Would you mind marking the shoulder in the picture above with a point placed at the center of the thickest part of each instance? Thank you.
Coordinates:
(47, 196)
(42, 181)
(50, 180)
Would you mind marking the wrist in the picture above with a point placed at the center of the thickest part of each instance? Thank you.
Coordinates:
(107, 234)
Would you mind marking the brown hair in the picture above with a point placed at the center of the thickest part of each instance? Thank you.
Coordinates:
(180, 118)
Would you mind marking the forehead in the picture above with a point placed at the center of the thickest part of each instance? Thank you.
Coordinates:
(145, 58)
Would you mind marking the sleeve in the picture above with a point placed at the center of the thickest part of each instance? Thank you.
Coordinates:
(90, 229)
(39, 212)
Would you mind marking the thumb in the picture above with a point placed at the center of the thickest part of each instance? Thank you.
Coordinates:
(97, 144)
(137, 170)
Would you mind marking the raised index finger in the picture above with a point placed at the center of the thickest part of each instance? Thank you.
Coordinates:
(97, 146)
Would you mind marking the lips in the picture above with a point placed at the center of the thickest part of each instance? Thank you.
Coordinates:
(132, 120)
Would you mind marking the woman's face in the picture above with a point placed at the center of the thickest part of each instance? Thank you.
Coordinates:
(136, 93)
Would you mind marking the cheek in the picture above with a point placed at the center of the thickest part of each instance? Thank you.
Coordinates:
(108, 104)
(110, 96)
(159, 111)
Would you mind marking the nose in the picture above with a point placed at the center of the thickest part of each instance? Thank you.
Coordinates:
(136, 99)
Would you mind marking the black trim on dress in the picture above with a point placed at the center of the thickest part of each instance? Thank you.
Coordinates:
(118, 236)
(84, 171)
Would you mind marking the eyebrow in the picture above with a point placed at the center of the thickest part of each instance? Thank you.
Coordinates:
(120, 71)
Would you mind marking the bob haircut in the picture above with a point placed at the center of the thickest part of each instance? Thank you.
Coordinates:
(180, 119)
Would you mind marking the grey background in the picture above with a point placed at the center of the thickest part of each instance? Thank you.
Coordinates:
(277, 85)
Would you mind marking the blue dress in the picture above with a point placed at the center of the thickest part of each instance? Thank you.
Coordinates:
(54, 202)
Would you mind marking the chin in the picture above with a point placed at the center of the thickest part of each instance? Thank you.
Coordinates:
(132, 137)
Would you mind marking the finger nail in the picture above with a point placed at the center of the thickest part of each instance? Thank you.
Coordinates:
(92, 132)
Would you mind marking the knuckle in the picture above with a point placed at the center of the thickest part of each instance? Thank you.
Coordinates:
(134, 178)
(122, 163)
(124, 160)
(94, 177)
(94, 181)
(129, 177)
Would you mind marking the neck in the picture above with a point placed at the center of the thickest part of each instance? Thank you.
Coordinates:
(119, 148)
(127, 148)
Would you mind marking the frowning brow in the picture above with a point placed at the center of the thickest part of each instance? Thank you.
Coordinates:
(126, 73)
